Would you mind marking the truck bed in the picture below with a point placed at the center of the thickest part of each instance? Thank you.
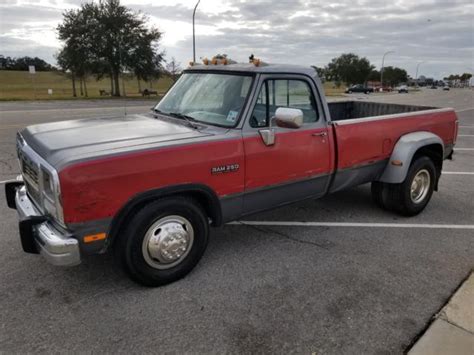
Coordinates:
(346, 110)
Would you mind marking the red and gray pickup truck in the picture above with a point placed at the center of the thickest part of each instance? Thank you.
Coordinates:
(225, 141)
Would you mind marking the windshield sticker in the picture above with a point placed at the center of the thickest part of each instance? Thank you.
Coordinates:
(232, 116)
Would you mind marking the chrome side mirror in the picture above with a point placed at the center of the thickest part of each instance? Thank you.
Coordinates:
(286, 117)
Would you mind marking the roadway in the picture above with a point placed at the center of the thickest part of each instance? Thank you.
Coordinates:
(355, 279)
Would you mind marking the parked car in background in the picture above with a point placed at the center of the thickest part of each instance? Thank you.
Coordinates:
(402, 89)
(433, 87)
(359, 88)
(446, 88)
(383, 89)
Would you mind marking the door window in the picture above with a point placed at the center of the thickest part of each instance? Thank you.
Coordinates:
(283, 93)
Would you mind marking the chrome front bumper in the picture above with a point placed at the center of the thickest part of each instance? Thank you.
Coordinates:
(37, 234)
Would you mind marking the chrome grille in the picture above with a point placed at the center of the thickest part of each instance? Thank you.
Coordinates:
(29, 170)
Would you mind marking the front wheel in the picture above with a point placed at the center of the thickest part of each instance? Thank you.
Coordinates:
(163, 241)
(411, 196)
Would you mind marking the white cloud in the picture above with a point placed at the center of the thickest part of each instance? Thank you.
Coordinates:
(306, 32)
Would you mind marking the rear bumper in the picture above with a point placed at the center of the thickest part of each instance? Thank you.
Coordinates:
(37, 233)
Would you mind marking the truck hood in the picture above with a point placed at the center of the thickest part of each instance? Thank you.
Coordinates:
(60, 143)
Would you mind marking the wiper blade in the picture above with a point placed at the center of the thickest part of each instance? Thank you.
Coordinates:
(187, 118)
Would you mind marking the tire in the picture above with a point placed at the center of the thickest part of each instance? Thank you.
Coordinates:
(377, 188)
(163, 241)
(410, 198)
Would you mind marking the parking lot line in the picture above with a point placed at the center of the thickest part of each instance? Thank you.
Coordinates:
(467, 149)
(352, 224)
(457, 173)
(465, 109)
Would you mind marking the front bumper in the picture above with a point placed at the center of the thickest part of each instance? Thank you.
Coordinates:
(37, 233)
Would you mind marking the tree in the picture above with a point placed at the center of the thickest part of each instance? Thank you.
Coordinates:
(22, 63)
(66, 62)
(321, 72)
(110, 39)
(465, 78)
(77, 55)
(174, 69)
(349, 68)
(394, 76)
(374, 75)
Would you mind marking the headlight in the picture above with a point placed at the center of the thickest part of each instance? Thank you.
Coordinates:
(51, 195)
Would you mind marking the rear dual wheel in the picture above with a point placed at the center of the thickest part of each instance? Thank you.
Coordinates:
(411, 196)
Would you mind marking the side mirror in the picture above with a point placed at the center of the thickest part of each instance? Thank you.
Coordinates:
(286, 117)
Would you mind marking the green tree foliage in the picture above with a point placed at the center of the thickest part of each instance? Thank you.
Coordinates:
(107, 38)
(374, 75)
(393, 76)
(321, 72)
(22, 63)
(459, 79)
(349, 68)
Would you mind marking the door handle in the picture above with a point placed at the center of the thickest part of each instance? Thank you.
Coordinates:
(320, 134)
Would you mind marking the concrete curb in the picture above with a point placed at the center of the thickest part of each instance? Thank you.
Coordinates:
(452, 331)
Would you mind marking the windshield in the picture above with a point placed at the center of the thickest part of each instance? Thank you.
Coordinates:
(207, 97)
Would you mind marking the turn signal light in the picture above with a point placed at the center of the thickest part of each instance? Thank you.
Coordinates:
(94, 237)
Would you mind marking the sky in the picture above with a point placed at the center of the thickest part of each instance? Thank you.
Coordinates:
(438, 33)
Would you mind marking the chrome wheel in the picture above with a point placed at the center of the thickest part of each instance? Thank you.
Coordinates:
(167, 242)
(420, 186)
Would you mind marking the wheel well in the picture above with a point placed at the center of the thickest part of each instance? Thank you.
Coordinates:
(435, 153)
(206, 199)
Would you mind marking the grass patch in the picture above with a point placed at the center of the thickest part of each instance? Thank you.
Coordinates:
(330, 89)
(19, 85)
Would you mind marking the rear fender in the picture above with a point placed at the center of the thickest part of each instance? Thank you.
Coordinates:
(403, 153)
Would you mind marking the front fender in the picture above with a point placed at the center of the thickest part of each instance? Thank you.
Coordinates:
(204, 194)
(403, 152)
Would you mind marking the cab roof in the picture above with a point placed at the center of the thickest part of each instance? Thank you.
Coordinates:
(251, 68)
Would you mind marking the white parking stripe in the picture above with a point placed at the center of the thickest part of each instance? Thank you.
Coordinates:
(465, 135)
(465, 109)
(457, 173)
(352, 224)
(463, 149)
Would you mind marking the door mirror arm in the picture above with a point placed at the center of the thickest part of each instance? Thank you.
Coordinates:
(268, 134)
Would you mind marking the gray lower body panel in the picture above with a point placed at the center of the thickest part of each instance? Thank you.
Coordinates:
(351, 177)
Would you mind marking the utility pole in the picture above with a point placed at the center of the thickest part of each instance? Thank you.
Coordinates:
(194, 35)
(381, 70)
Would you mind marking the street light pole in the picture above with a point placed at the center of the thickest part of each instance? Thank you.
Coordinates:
(381, 70)
(194, 36)
(416, 75)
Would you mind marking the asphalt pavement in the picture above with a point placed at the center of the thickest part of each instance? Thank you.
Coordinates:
(324, 287)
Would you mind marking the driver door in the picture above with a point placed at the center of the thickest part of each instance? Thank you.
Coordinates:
(298, 164)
